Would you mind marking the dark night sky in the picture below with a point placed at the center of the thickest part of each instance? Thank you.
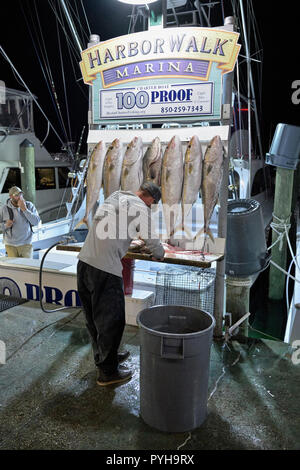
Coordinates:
(109, 18)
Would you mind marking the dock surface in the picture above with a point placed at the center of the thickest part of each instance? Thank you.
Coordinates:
(49, 399)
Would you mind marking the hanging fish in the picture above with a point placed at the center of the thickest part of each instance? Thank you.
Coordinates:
(192, 176)
(171, 182)
(132, 166)
(94, 180)
(112, 168)
(211, 181)
(152, 162)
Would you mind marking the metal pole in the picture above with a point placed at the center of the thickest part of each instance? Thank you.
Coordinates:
(222, 219)
(71, 25)
(250, 81)
(249, 96)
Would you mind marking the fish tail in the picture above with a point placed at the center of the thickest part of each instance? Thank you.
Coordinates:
(199, 233)
(209, 233)
(186, 230)
(82, 222)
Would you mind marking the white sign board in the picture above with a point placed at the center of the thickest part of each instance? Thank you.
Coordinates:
(157, 101)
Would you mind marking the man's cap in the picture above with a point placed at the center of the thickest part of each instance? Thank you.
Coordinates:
(15, 191)
(153, 190)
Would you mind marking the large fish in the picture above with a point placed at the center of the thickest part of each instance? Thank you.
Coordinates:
(171, 182)
(94, 180)
(152, 162)
(192, 176)
(211, 180)
(112, 168)
(132, 167)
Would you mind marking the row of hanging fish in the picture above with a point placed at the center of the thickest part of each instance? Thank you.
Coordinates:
(180, 178)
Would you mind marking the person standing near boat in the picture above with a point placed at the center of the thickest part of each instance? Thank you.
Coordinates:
(17, 217)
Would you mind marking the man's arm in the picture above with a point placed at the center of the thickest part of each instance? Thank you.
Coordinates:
(149, 236)
(5, 222)
(30, 212)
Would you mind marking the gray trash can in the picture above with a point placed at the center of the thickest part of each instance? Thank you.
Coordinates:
(174, 366)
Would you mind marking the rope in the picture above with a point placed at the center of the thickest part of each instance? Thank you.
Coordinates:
(238, 282)
(281, 228)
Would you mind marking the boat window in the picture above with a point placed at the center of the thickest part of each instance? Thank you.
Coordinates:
(13, 179)
(45, 178)
(15, 113)
(63, 176)
(258, 185)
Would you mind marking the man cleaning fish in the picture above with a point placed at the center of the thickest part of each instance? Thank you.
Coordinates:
(132, 183)
(99, 275)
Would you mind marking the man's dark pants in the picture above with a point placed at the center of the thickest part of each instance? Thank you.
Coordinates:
(102, 298)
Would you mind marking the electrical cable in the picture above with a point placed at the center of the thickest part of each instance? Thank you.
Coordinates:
(2, 51)
(39, 331)
(46, 70)
(67, 238)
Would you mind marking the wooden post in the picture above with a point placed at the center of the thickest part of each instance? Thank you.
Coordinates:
(281, 213)
(27, 170)
(238, 300)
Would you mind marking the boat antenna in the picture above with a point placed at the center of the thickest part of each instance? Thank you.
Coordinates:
(250, 89)
(32, 96)
(71, 24)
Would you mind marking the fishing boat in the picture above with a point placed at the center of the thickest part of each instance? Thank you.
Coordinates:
(242, 176)
(52, 184)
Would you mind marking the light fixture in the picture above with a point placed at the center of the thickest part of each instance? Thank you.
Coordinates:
(137, 2)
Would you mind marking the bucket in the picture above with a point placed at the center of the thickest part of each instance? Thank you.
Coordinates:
(174, 366)
(285, 147)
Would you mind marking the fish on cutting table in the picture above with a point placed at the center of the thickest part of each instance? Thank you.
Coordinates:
(191, 178)
(132, 166)
(112, 168)
(211, 181)
(94, 180)
(152, 162)
(171, 183)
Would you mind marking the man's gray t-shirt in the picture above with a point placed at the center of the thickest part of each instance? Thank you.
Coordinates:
(122, 217)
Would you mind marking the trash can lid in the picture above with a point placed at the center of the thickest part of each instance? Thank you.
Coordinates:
(175, 321)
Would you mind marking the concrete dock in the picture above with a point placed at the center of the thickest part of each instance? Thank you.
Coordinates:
(49, 399)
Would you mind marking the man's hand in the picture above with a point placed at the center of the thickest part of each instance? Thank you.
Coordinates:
(21, 204)
(9, 223)
(157, 259)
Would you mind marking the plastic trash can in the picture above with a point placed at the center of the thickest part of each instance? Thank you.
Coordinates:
(174, 366)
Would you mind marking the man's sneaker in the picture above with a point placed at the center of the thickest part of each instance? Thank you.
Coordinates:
(121, 375)
(122, 356)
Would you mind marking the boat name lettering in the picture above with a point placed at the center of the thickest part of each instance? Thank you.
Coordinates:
(175, 51)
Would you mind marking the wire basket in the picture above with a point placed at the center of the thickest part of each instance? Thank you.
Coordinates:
(194, 288)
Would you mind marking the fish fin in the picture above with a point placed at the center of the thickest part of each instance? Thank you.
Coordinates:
(82, 222)
(209, 168)
(152, 173)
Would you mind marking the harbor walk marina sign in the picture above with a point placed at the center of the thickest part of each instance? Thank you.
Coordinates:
(159, 74)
